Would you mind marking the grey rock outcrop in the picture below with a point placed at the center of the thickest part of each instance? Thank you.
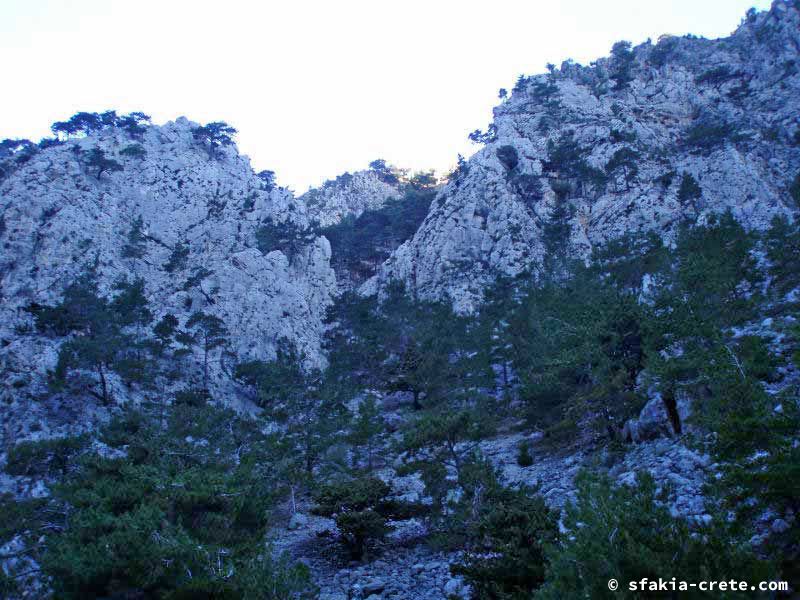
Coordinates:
(622, 142)
(200, 212)
(349, 194)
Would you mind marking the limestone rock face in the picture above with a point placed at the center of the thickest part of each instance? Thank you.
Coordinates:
(58, 216)
(349, 194)
(621, 142)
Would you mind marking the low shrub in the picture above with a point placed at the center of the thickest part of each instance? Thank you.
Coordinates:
(626, 533)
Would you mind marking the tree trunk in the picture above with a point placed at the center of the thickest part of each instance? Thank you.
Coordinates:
(103, 384)
(205, 366)
(309, 456)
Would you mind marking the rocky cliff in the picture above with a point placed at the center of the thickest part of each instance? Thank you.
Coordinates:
(640, 141)
(457, 416)
(349, 194)
(195, 213)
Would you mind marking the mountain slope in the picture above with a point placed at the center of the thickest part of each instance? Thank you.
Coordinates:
(350, 194)
(187, 217)
(641, 141)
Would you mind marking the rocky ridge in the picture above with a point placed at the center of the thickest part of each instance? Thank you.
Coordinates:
(349, 194)
(640, 141)
(199, 210)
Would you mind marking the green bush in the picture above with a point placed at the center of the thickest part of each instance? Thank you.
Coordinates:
(715, 76)
(663, 51)
(506, 561)
(45, 458)
(359, 508)
(508, 157)
(524, 458)
(172, 518)
(706, 135)
(782, 243)
(689, 190)
(758, 361)
(124, 429)
(794, 190)
(134, 151)
(579, 347)
(624, 162)
(178, 258)
(625, 533)
(96, 159)
(286, 237)
(195, 397)
(761, 467)
(622, 62)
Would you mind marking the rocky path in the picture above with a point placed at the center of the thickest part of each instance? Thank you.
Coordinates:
(402, 567)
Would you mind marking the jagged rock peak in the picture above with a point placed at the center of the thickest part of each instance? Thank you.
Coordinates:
(350, 194)
(643, 140)
(204, 219)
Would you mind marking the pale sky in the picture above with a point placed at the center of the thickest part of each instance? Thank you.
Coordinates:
(315, 88)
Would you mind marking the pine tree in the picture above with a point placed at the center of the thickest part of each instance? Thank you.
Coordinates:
(367, 429)
(209, 332)
(136, 245)
(214, 135)
(98, 160)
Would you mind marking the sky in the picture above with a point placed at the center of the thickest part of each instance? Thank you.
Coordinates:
(315, 88)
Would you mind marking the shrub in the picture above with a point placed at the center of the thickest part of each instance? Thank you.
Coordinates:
(134, 123)
(86, 123)
(124, 429)
(622, 62)
(567, 157)
(422, 180)
(277, 382)
(666, 179)
(268, 180)
(359, 508)
(214, 135)
(385, 172)
(178, 258)
(194, 397)
(97, 159)
(689, 190)
(758, 361)
(715, 266)
(508, 157)
(45, 143)
(794, 190)
(529, 188)
(663, 51)
(761, 468)
(134, 151)
(524, 458)
(511, 532)
(45, 458)
(171, 518)
(706, 135)
(579, 348)
(624, 161)
(286, 237)
(715, 76)
(783, 250)
(626, 534)
(618, 136)
(359, 245)
(490, 136)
